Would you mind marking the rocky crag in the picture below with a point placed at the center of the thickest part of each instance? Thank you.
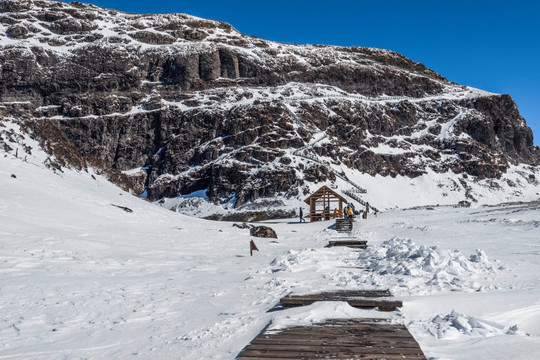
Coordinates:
(171, 104)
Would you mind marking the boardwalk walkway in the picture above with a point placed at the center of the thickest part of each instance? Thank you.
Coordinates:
(344, 224)
(348, 242)
(336, 339)
(356, 298)
(374, 339)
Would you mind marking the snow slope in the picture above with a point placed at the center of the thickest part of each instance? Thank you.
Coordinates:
(81, 278)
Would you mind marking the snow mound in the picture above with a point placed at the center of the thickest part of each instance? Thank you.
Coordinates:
(319, 312)
(456, 324)
(293, 261)
(415, 266)
(396, 264)
(310, 259)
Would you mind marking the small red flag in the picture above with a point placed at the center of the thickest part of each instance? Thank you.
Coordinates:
(252, 247)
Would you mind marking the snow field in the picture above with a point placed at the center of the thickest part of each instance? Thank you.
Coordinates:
(84, 279)
(491, 308)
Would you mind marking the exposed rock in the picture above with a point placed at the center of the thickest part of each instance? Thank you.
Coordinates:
(126, 209)
(263, 232)
(252, 216)
(17, 32)
(152, 38)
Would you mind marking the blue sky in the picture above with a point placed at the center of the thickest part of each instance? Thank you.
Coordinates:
(492, 45)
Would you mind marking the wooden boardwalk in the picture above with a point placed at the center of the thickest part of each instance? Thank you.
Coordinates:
(357, 298)
(368, 339)
(344, 225)
(350, 242)
(336, 339)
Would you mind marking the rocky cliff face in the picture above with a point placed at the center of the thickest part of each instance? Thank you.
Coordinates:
(181, 104)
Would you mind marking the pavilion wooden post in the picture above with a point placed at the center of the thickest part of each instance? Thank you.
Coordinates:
(311, 209)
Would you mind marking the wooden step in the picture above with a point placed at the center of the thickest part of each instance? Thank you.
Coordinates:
(356, 298)
(344, 225)
(336, 339)
(348, 243)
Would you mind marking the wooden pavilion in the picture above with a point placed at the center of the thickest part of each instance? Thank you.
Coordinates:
(323, 202)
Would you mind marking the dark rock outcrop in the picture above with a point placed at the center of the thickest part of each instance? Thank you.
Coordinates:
(194, 105)
(263, 232)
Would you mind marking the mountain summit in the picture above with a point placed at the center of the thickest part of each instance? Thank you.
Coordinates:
(172, 104)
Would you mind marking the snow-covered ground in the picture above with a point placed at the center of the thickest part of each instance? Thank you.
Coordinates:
(81, 278)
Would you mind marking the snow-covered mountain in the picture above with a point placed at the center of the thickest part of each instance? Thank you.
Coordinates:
(172, 104)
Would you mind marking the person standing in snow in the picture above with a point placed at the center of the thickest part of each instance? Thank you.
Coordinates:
(301, 212)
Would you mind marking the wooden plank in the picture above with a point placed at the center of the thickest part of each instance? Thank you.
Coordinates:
(403, 343)
(348, 341)
(319, 333)
(357, 246)
(353, 330)
(289, 356)
(348, 243)
(345, 294)
(352, 293)
(337, 347)
(369, 302)
(351, 241)
(325, 354)
(322, 356)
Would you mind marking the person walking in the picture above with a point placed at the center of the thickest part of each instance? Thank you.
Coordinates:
(302, 215)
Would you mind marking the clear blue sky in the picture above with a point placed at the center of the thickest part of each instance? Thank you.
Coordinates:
(492, 45)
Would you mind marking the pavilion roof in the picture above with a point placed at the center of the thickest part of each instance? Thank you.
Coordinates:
(325, 191)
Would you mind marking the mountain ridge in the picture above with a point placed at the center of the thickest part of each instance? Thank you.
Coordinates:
(171, 104)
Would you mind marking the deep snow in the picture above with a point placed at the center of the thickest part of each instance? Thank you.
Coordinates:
(81, 278)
